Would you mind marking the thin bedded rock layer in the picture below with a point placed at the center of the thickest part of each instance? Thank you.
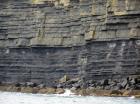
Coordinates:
(43, 40)
(96, 60)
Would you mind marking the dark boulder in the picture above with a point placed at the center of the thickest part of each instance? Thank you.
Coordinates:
(0, 83)
(137, 87)
(117, 87)
(104, 82)
(41, 85)
(132, 87)
(77, 85)
(124, 83)
(133, 81)
(128, 87)
(60, 86)
(31, 84)
(112, 84)
(23, 84)
(68, 86)
(17, 85)
(72, 81)
(91, 81)
(137, 80)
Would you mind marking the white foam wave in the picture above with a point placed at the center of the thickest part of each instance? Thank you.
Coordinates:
(66, 93)
(132, 97)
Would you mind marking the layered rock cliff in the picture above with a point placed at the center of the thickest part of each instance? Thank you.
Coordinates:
(43, 40)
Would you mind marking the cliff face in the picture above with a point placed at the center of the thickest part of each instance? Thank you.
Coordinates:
(43, 40)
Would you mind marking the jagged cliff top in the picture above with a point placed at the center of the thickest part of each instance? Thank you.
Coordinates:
(67, 22)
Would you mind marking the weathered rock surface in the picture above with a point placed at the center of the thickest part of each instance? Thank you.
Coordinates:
(43, 40)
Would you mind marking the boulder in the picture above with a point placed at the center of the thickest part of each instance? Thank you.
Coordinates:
(43, 91)
(116, 92)
(60, 85)
(83, 92)
(0, 83)
(127, 87)
(3, 88)
(41, 85)
(60, 91)
(104, 82)
(17, 85)
(68, 86)
(131, 93)
(119, 86)
(137, 86)
(23, 84)
(90, 90)
(91, 81)
(75, 79)
(64, 79)
(76, 85)
(113, 83)
(13, 89)
(51, 90)
(26, 89)
(73, 88)
(47, 91)
(133, 81)
(35, 90)
(137, 80)
(124, 83)
(126, 93)
(31, 84)
(72, 81)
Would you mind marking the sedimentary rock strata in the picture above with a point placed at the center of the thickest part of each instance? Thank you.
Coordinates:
(43, 40)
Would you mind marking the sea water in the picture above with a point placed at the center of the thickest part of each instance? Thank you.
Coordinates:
(66, 98)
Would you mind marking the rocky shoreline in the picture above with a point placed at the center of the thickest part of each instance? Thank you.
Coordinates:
(124, 87)
(82, 92)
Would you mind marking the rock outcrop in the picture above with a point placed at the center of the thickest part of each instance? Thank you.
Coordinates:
(43, 40)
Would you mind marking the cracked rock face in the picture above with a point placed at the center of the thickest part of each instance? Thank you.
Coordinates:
(43, 40)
